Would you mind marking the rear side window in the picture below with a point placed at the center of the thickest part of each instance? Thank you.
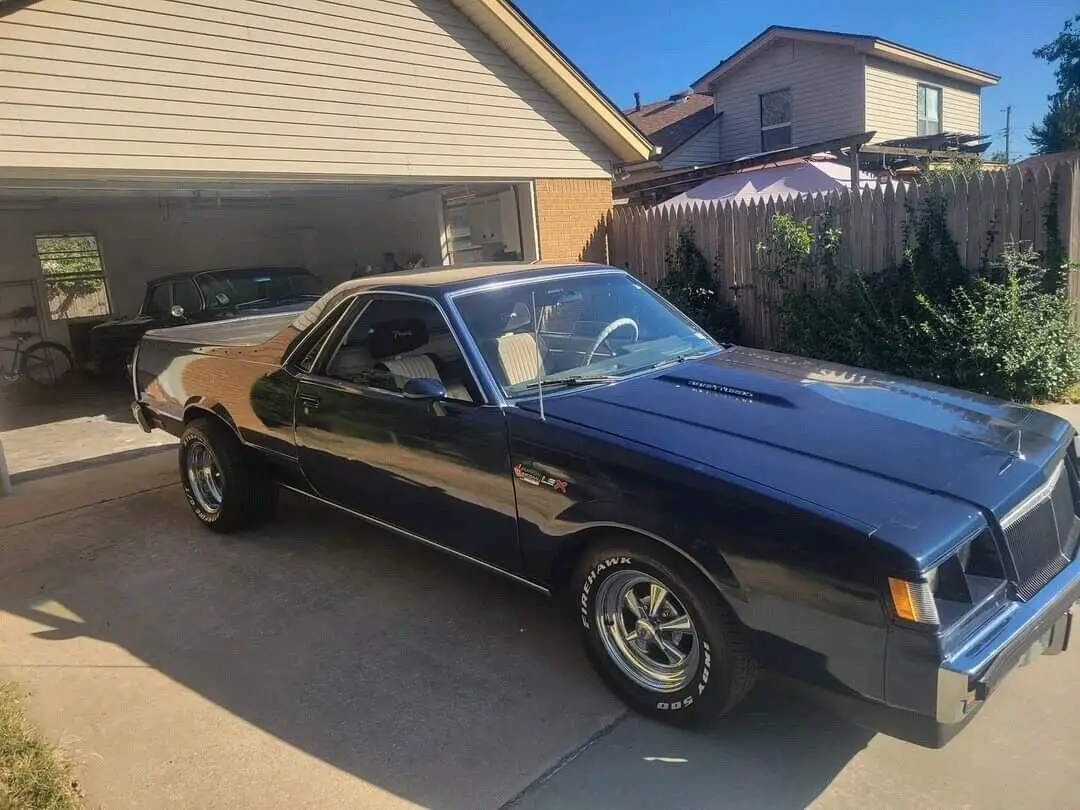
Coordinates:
(315, 340)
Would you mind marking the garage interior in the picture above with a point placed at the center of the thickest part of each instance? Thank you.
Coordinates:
(75, 254)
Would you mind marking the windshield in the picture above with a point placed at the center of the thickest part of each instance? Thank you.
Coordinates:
(576, 330)
(238, 288)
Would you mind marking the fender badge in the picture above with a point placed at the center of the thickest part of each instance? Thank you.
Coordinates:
(529, 475)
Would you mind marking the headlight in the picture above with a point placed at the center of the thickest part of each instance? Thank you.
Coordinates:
(932, 578)
(964, 578)
(914, 601)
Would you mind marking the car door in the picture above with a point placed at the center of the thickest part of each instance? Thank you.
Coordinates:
(438, 470)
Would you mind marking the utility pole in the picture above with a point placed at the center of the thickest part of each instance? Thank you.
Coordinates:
(1008, 130)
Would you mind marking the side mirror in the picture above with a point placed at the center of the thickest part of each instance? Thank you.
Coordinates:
(176, 311)
(424, 388)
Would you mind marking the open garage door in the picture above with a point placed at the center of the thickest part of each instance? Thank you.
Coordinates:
(86, 249)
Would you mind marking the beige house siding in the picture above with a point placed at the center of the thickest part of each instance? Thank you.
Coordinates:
(700, 149)
(825, 80)
(892, 98)
(370, 88)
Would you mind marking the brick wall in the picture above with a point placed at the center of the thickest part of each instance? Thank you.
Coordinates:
(570, 218)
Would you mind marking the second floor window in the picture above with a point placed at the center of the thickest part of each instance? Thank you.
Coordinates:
(929, 110)
(775, 120)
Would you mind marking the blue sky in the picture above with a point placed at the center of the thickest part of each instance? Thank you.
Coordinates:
(658, 48)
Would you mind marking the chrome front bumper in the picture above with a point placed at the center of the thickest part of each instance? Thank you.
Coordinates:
(1040, 626)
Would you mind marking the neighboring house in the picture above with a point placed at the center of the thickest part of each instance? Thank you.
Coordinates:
(790, 87)
(165, 136)
(792, 92)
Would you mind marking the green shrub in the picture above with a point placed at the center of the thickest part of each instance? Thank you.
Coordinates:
(691, 285)
(1002, 329)
(1007, 338)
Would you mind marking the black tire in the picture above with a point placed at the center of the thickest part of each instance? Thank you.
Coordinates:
(248, 498)
(46, 355)
(725, 670)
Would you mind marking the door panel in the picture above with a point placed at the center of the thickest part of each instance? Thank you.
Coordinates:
(439, 470)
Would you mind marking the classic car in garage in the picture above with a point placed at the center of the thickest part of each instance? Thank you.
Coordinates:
(706, 509)
(197, 296)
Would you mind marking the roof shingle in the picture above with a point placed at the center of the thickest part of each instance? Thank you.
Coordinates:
(668, 123)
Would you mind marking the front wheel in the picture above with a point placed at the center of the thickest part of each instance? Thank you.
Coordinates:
(660, 635)
(222, 484)
(46, 363)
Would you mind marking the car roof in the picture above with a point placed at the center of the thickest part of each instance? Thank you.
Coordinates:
(438, 281)
(458, 277)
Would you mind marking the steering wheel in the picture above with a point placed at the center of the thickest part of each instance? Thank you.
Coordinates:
(605, 333)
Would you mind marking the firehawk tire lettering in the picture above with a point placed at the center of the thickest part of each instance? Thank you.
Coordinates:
(688, 701)
(591, 578)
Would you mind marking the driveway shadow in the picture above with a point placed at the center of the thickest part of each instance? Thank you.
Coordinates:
(434, 680)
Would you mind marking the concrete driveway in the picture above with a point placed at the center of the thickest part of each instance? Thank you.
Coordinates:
(320, 663)
(79, 423)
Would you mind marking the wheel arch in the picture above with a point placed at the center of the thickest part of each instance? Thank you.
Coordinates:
(574, 547)
(201, 408)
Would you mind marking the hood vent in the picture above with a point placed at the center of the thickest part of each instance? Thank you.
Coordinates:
(728, 391)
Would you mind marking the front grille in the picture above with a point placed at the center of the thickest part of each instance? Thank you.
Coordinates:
(1041, 533)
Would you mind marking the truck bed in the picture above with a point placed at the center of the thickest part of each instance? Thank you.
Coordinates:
(250, 330)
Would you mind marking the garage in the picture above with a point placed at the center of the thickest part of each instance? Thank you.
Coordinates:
(75, 255)
(342, 137)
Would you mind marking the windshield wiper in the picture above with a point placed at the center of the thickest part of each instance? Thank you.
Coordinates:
(580, 379)
(682, 358)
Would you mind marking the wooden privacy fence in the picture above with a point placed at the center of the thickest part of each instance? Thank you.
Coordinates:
(983, 214)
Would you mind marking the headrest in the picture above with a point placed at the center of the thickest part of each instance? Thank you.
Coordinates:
(518, 317)
(391, 338)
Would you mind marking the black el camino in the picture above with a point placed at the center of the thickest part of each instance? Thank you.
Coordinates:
(706, 509)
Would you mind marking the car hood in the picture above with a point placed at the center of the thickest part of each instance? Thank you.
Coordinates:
(980, 450)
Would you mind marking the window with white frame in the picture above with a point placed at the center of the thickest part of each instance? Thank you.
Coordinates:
(929, 110)
(73, 274)
(775, 120)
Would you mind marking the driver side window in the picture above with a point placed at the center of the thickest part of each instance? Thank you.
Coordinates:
(393, 340)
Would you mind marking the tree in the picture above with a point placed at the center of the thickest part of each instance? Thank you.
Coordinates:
(1060, 129)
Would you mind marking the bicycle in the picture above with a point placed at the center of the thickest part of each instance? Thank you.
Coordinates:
(43, 362)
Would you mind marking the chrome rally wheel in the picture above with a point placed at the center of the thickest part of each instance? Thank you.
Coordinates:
(204, 476)
(646, 631)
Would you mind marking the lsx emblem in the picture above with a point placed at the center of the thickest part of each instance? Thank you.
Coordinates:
(529, 475)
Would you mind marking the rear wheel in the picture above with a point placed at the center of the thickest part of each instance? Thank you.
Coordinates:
(660, 634)
(221, 480)
(46, 363)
